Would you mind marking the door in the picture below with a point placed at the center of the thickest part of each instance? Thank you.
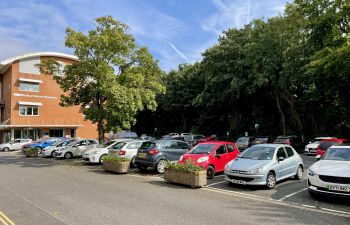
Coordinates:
(220, 158)
(181, 149)
(16, 144)
(281, 165)
(232, 153)
(291, 162)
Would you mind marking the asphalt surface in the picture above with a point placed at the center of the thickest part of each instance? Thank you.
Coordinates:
(35, 191)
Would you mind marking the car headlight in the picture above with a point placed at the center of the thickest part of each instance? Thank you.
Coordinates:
(311, 173)
(227, 166)
(255, 171)
(202, 159)
(181, 158)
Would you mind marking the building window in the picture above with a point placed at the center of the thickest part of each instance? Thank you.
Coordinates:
(29, 65)
(29, 110)
(61, 69)
(56, 133)
(72, 133)
(26, 86)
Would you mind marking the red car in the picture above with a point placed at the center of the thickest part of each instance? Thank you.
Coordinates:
(212, 155)
(325, 144)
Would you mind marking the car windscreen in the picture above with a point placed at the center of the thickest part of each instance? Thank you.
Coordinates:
(325, 145)
(106, 144)
(202, 149)
(338, 154)
(118, 145)
(258, 153)
(242, 140)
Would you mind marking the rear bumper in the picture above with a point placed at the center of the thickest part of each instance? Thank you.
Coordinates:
(145, 163)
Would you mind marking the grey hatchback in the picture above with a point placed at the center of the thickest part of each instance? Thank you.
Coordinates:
(155, 154)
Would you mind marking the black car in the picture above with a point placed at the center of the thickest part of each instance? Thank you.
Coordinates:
(262, 140)
(243, 143)
(292, 140)
(156, 154)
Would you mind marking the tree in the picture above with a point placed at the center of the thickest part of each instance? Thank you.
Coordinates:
(113, 79)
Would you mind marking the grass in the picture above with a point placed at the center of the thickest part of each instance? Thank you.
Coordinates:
(188, 166)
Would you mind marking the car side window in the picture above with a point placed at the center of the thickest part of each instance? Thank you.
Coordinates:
(281, 153)
(289, 151)
(221, 150)
(132, 146)
(230, 148)
(182, 145)
(17, 141)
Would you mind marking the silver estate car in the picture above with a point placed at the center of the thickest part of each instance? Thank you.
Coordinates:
(265, 164)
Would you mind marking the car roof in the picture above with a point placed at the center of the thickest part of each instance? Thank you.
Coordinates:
(334, 140)
(341, 146)
(273, 145)
(217, 142)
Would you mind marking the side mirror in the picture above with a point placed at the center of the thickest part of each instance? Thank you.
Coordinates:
(280, 159)
(309, 142)
(217, 156)
(318, 157)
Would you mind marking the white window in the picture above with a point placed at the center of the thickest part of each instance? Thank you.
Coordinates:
(29, 111)
(27, 86)
(61, 69)
(29, 65)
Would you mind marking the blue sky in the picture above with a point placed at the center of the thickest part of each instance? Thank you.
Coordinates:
(175, 31)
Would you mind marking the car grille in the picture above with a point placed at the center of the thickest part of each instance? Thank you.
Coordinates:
(312, 150)
(247, 179)
(337, 180)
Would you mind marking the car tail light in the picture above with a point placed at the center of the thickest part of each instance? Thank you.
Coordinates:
(122, 152)
(153, 152)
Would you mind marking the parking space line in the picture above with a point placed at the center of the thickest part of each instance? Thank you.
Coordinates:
(209, 185)
(290, 195)
(4, 217)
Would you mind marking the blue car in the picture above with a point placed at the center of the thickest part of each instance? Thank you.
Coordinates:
(48, 142)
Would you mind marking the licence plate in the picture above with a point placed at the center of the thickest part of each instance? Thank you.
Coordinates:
(238, 181)
(339, 188)
(142, 155)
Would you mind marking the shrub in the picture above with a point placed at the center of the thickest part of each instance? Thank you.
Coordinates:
(31, 150)
(188, 166)
(113, 158)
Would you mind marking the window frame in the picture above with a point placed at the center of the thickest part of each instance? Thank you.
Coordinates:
(28, 106)
(32, 83)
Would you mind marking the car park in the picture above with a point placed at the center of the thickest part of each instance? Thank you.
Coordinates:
(75, 149)
(212, 156)
(311, 148)
(331, 174)
(156, 154)
(326, 144)
(243, 143)
(16, 144)
(127, 149)
(49, 151)
(264, 164)
(292, 140)
(96, 154)
(262, 140)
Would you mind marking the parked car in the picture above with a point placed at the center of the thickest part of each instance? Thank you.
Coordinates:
(262, 140)
(331, 174)
(47, 142)
(205, 139)
(15, 144)
(310, 149)
(325, 144)
(127, 149)
(243, 143)
(171, 135)
(265, 164)
(75, 149)
(212, 156)
(292, 140)
(49, 151)
(96, 154)
(123, 135)
(156, 154)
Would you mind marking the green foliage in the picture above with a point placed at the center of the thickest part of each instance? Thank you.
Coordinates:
(113, 158)
(188, 166)
(113, 79)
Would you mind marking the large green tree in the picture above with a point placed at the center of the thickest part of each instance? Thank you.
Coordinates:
(113, 78)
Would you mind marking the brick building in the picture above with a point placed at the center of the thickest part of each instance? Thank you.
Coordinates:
(29, 102)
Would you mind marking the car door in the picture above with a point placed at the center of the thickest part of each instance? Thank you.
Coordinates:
(16, 144)
(291, 161)
(281, 166)
(232, 152)
(220, 158)
(78, 150)
(181, 149)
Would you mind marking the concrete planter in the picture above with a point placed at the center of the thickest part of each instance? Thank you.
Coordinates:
(195, 179)
(116, 166)
(31, 152)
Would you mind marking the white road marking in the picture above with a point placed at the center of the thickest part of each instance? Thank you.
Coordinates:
(216, 183)
(290, 195)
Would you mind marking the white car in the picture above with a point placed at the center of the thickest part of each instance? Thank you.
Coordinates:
(49, 151)
(331, 174)
(14, 145)
(75, 149)
(310, 149)
(95, 155)
(127, 149)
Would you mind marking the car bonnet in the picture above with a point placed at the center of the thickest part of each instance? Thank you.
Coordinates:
(248, 164)
(332, 168)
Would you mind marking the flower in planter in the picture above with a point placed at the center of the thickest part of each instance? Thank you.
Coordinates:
(113, 158)
(189, 166)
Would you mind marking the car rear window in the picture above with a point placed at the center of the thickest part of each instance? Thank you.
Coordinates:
(148, 144)
(282, 141)
(325, 145)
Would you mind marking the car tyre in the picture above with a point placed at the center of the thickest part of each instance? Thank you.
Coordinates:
(160, 166)
(299, 174)
(210, 172)
(68, 155)
(6, 149)
(53, 153)
(271, 180)
(101, 158)
(132, 163)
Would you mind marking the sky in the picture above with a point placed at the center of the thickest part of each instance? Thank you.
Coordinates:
(175, 31)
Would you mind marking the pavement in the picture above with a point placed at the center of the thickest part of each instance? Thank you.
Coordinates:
(35, 191)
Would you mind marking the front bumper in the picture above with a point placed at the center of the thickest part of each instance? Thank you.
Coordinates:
(91, 158)
(244, 179)
(310, 151)
(46, 153)
(316, 185)
(58, 154)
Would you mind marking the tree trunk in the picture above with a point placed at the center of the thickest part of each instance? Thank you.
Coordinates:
(281, 112)
(101, 132)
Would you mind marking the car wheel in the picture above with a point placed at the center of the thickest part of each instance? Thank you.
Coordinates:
(271, 180)
(142, 169)
(101, 158)
(160, 166)
(210, 172)
(299, 174)
(132, 163)
(68, 155)
(53, 153)
(6, 149)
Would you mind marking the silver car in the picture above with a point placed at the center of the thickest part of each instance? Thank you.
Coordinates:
(265, 164)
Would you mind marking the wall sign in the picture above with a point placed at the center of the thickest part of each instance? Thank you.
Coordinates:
(34, 96)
